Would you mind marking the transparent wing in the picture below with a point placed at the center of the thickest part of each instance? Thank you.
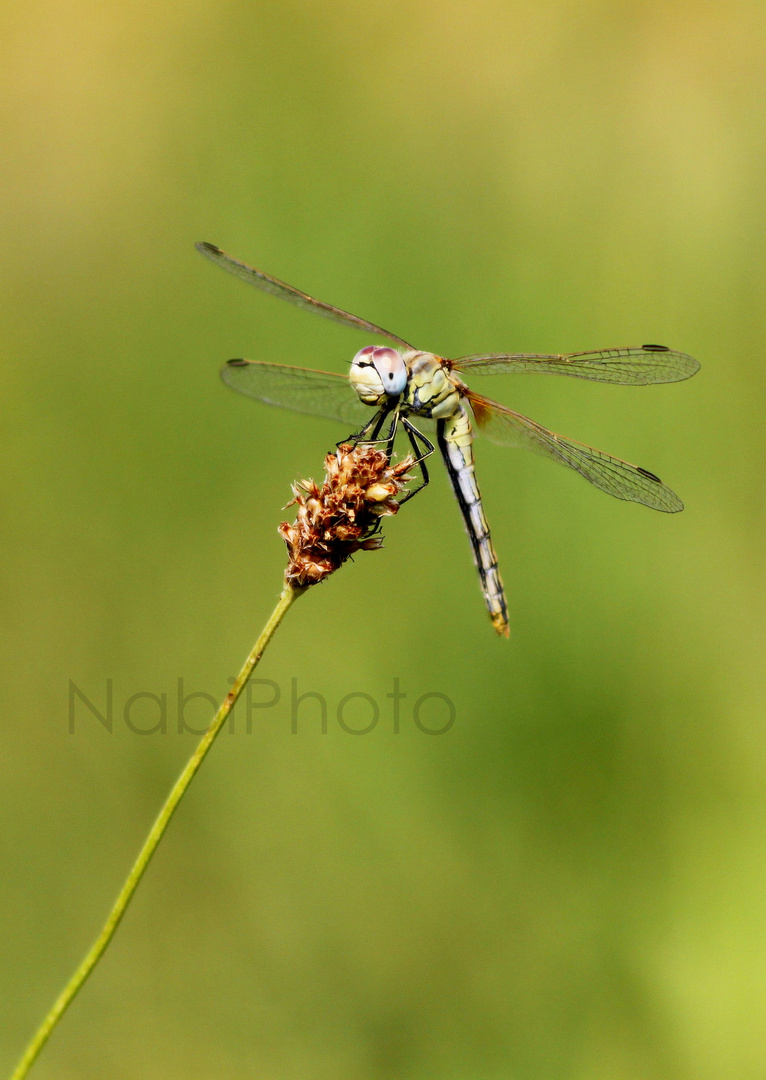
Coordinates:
(315, 393)
(632, 366)
(618, 478)
(272, 285)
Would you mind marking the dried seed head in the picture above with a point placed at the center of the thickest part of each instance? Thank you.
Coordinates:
(343, 516)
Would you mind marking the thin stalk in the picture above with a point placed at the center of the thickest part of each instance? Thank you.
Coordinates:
(290, 593)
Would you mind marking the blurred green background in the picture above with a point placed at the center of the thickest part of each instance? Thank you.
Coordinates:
(571, 882)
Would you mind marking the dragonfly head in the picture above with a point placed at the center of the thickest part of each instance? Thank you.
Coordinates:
(377, 373)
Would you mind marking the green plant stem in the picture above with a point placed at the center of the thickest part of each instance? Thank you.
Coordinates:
(289, 595)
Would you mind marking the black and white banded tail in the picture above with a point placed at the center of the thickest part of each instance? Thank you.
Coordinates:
(455, 439)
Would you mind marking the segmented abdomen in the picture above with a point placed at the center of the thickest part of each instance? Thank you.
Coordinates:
(455, 438)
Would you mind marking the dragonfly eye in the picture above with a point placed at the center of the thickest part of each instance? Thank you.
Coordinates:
(391, 369)
(364, 357)
(377, 373)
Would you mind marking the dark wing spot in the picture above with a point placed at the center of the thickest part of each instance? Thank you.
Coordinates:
(646, 473)
(236, 363)
(655, 348)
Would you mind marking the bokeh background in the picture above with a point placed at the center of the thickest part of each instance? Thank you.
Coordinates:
(571, 881)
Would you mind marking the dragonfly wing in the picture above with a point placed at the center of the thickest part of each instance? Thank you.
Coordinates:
(632, 366)
(315, 393)
(616, 477)
(272, 285)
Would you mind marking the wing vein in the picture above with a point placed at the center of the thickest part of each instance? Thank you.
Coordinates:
(268, 284)
(616, 477)
(629, 366)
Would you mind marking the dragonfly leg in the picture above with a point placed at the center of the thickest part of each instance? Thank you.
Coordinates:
(423, 448)
(361, 435)
(370, 432)
(390, 439)
(381, 419)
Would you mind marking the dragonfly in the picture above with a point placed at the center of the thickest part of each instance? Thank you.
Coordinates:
(400, 383)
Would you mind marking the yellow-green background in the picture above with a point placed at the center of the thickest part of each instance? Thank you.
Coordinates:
(571, 883)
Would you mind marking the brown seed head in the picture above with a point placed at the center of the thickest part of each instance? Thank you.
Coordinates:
(343, 516)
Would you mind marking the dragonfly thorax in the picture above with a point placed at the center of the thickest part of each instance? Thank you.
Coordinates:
(377, 373)
(431, 390)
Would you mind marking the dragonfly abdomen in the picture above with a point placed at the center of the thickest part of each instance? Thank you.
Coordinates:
(455, 439)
